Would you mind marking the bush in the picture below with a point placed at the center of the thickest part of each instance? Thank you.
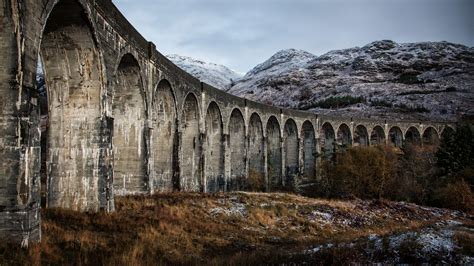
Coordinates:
(335, 102)
(456, 151)
(457, 196)
(364, 172)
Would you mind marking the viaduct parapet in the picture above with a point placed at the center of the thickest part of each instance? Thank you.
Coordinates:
(119, 118)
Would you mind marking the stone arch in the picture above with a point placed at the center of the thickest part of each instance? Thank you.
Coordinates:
(214, 150)
(274, 163)
(236, 131)
(291, 145)
(256, 156)
(361, 136)
(344, 136)
(447, 131)
(73, 91)
(377, 136)
(327, 137)
(395, 135)
(129, 113)
(309, 148)
(190, 146)
(430, 136)
(412, 136)
(164, 138)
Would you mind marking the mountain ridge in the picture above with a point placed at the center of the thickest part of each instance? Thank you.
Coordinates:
(425, 80)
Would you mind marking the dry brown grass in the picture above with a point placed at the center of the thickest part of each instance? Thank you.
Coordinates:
(235, 228)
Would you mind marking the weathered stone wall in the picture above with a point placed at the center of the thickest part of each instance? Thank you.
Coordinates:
(120, 118)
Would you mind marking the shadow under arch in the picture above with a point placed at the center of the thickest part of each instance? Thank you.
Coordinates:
(164, 139)
(71, 109)
(274, 160)
(190, 146)
(256, 155)
(236, 131)
(214, 179)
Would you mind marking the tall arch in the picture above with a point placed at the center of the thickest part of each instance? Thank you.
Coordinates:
(214, 151)
(237, 150)
(256, 154)
(395, 135)
(430, 136)
(309, 148)
(290, 142)
(344, 136)
(274, 153)
(361, 137)
(164, 138)
(377, 136)
(412, 136)
(129, 113)
(447, 131)
(72, 69)
(190, 146)
(327, 139)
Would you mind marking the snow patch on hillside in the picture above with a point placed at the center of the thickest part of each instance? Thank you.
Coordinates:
(215, 75)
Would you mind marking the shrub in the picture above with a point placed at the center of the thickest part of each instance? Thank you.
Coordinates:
(457, 196)
(256, 181)
(456, 151)
(335, 102)
(365, 172)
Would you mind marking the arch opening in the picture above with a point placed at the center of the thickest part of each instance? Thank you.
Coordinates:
(237, 151)
(344, 136)
(164, 139)
(377, 136)
(274, 163)
(309, 148)
(129, 113)
(430, 137)
(412, 136)
(327, 140)
(256, 175)
(447, 131)
(214, 151)
(361, 136)
(190, 148)
(290, 142)
(70, 66)
(396, 137)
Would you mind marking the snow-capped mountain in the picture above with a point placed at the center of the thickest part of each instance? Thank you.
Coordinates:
(216, 75)
(383, 78)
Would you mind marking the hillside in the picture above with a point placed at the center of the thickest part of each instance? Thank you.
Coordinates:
(384, 79)
(216, 75)
(249, 228)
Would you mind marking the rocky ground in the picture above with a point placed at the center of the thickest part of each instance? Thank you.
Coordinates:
(250, 228)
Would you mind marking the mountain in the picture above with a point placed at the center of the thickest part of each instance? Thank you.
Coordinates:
(216, 75)
(384, 79)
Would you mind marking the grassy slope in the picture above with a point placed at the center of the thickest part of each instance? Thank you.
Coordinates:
(224, 228)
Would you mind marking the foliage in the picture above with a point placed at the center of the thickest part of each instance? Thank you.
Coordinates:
(456, 151)
(364, 172)
(335, 102)
(429, 175)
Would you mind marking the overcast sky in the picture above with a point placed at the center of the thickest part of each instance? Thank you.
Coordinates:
(243, 33)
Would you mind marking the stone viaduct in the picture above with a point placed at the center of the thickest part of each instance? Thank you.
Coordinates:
(118, 118)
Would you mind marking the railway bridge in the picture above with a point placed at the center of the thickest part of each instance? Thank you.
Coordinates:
(118, 118)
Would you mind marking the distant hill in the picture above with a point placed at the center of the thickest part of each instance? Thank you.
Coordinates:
(216, 75)
(428, 80)
(383, 78)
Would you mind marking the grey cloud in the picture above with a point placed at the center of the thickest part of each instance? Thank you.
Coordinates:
(241, 34)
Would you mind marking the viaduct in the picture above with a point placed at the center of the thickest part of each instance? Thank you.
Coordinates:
(119, 118)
